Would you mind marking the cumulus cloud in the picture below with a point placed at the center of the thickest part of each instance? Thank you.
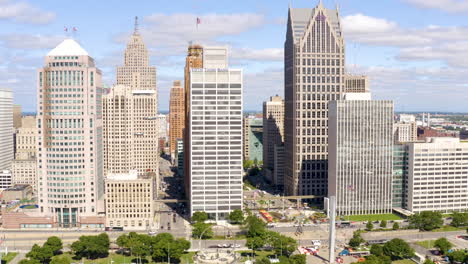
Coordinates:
(450, 6)
(24, 12)
(30, 41)
(269, 54)
(359, 23)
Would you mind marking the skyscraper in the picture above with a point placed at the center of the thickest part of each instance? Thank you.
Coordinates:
(215, 118)
(273, 133)
(314, 75)
(361, 155)
(131, 114)
(6, 129)
(69, 143)
(176, 116)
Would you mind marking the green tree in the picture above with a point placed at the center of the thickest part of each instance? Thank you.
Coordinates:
(459, 219)
(236, 216)
(247, 164)
(443, 245)
(372, 259)
(60, 259)
(255, 243)
(377, 250)
(297, 259)
(41, 254)
(383, 223)
(426, 221)
(254, 226)
(198, 217)
(283, 245)
(395, 226)
(428, 261)
(356, 240)
(29, 261)
(398, 249)
(457, 256)
(202, 229)
(91, 247)
(55, 244)
(369, 226)
(262, 261)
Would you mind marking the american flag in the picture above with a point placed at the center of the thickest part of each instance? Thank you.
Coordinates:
(65, 29)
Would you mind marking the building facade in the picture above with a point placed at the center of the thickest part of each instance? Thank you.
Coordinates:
(17, 116)
(131, 127)
(405, 132)
(361, 156)
(255, 141)
(24, 172)
(6, 129)
(179, 154)
(356, 84)
(245, 142)
(69, 143)
(400, 175)
(176, 115)
(129, 201)
(273, 132)
(215, 140)
(314, 75)
(25, 138)
(278, 167)
(437, 175)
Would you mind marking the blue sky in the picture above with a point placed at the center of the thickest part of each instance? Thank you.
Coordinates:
(414, 51)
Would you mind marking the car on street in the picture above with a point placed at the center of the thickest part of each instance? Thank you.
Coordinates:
(151, 233)
(235, 246)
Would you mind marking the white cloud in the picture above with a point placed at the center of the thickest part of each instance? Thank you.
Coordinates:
(270, 54)
(30, 41)
(450, 6)
(359, 23)
(24, 12)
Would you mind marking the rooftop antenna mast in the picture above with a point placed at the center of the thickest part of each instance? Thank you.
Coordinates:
(135, 31)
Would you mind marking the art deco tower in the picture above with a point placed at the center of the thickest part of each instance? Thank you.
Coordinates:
(131, 114)
(70, 175)
(314, 75)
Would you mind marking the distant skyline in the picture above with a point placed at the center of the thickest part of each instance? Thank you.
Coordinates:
(414, 51)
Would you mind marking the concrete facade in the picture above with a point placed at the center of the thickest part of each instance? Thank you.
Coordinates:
(215, 160)
(361, 156)
(69, 143)
(356, 84)
(314, 75)
(437, 175)
(273, 133)
(129, 201)
(6, 129)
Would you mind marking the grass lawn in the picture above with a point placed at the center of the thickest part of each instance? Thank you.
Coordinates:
(427, 243)
(9, 257)
(404, 261)
(447, 229)
(374, 217)
(258, 254)
(121, 259)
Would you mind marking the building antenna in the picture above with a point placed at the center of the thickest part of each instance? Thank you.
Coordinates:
(135, 31)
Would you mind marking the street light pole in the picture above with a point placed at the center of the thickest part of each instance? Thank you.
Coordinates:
(168, 253)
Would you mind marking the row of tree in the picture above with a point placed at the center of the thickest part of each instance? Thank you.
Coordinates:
(160, 247)
(204, 230)
(394, 249)
(383, 224)
(44, 254)
(427, 221)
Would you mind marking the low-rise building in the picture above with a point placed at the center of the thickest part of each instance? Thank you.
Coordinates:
(437, 175)
(130, 201)
(17, 192)
(24, 172)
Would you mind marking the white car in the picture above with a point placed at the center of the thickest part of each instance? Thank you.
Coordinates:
(316, 243)
(151, 233)
(235, 245)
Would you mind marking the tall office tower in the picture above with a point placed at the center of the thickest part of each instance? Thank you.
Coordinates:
(131, 114)
(69, 143)
(194, 60)
(24, 166)
(17, 116)
(437, 175)
(361, 155)
(273, 133)
(356, 83)
(400, 175)
(26, 135)
(6, 129)
(215, 143)
(314, 75)
(176, 116)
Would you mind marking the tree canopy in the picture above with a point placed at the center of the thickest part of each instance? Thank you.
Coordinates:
(91, 247)
(443, 245)
(426, 221)
(398, 249)
(459, 219)
(198, 217)
(236, 216)
(202, 229)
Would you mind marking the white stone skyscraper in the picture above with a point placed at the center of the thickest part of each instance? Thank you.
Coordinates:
(361, 155)
(6, 129)
(131, 130)
(69, 143)
(215, 136)
(314, 75)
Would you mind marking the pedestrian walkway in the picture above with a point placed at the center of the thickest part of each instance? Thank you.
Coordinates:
(18, 258)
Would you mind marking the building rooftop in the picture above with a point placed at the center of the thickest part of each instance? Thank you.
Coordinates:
(68, 47)
(18, 187)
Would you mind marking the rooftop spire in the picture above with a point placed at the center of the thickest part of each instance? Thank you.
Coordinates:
(135, 31)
